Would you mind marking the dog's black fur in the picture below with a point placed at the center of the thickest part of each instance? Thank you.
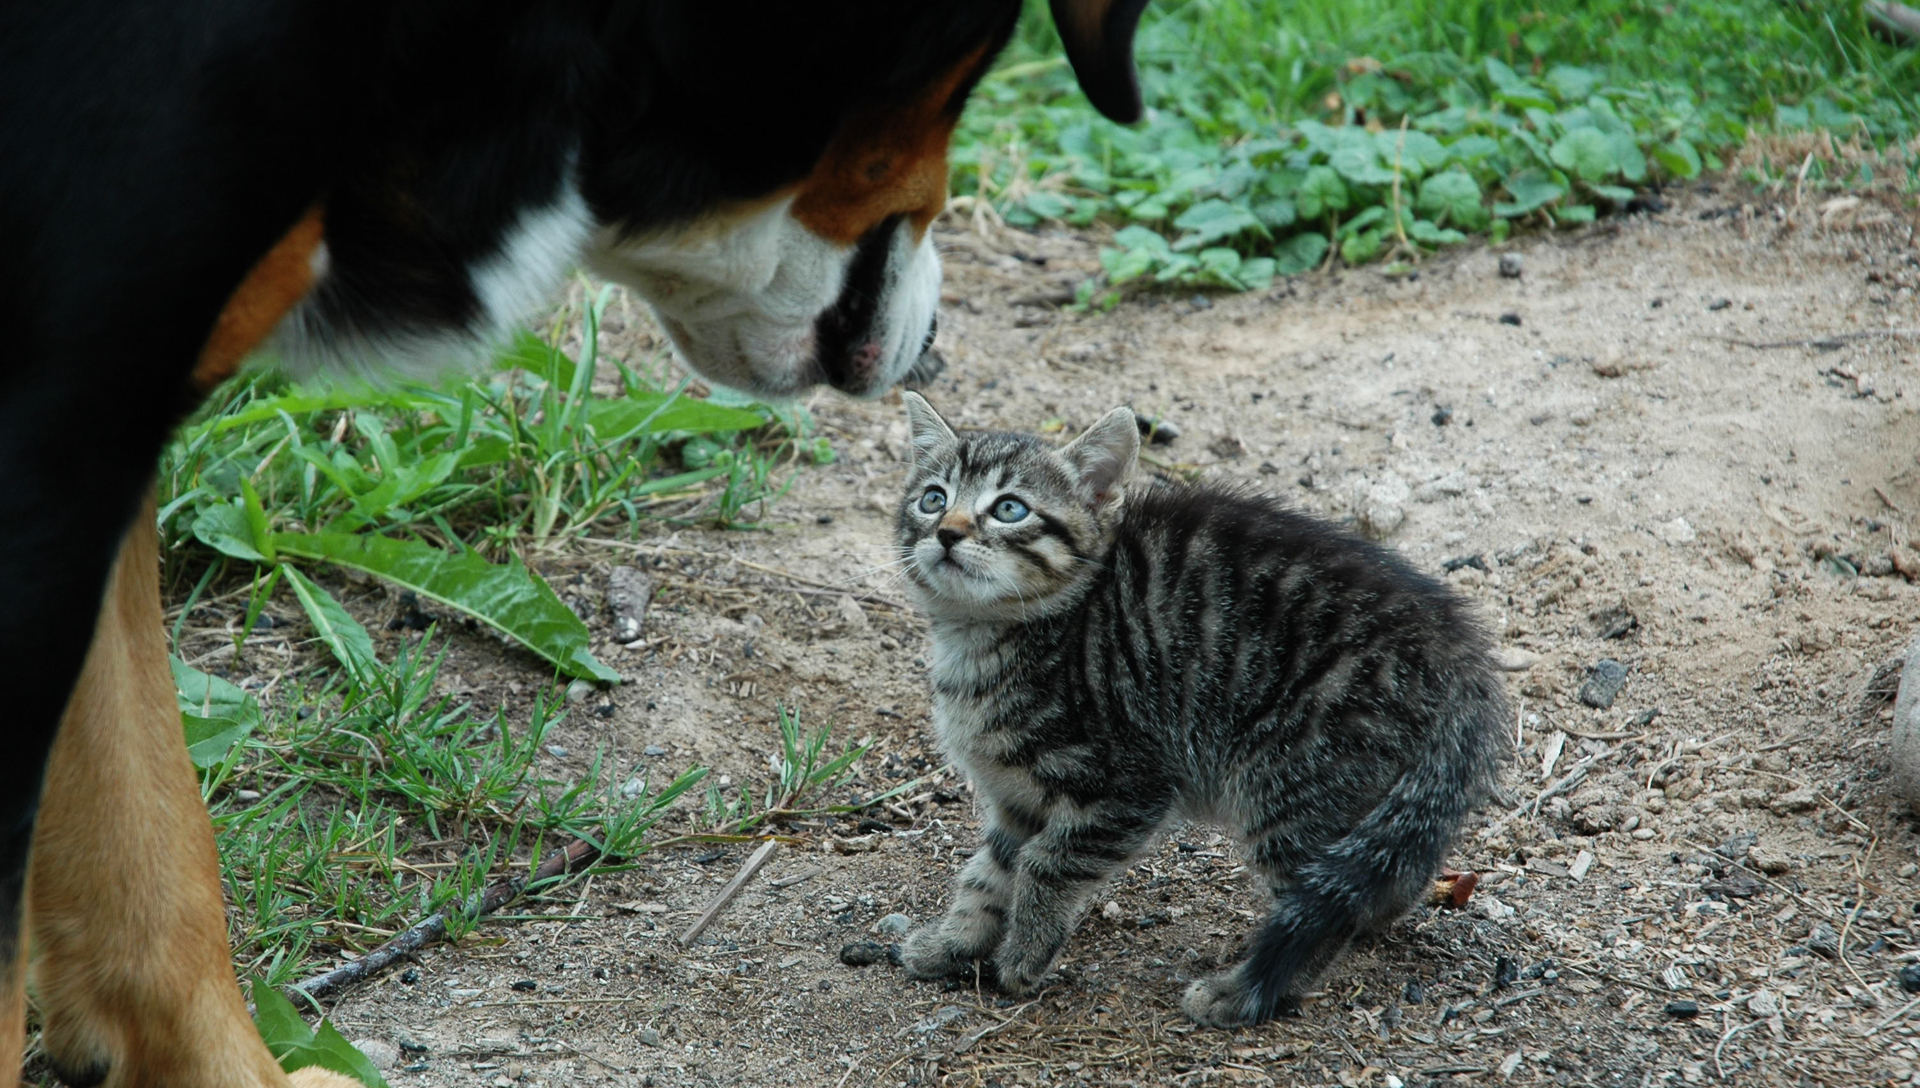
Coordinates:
(152, 150)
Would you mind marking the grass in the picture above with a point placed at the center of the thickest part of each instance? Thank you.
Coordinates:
(1284, 136)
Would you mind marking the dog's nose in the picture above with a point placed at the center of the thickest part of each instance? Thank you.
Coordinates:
(950, 537)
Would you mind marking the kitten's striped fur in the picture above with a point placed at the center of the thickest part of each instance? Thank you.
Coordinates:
(1126, 655)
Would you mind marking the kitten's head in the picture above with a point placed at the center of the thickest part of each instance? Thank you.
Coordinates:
(1003, 526)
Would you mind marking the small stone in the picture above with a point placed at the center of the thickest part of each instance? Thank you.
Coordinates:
(862, 953)
(1683, 1010)
(631, 788)
(893, 925)
(1510, 319)
(1906, 729)
(1801, 799)
(1112, 912)
(526, 985)
(653, 750)
(1603, 683)
(1442, 416)
(1823, 941)
(1910, 978)
(1769, 860)
(628, 593)
(1676, 532)
(852, 616)
(410, 976)
(649, 1036)
(382, 1054)
(1381, 505)
(246, 797)
(1452, 485)
(1511, 266)
(1514, 659)
(579, 692)
(1763, 1004)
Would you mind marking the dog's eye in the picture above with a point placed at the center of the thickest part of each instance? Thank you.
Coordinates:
(934, 501)
(1010, 510)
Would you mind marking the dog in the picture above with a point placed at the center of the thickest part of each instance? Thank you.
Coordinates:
(375, 184)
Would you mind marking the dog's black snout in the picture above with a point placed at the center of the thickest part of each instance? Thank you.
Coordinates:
(950, 537)
(933, 330)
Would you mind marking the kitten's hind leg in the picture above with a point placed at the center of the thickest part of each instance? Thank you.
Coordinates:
(971, 929)
(1058, 869)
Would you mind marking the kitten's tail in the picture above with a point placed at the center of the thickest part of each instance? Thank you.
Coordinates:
(1385, 864)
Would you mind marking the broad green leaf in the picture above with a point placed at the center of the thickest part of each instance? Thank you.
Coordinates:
(1361, 165)
(1678, 157)
(1276, 213)
(1211, 220)
(1300, 253)
(1428, 234)
(1416, 152)
(1257, 273)
(224, 528)
(1468, 150)
(1573, 213)
(659, 413)
(1452, 197)
(1223, 263)
(1626, 152)
(510, 598)
(1365, 218)
(1363, 247)
(1137, 237)
(1618, 194)
(350, 643)
(1530, 189)
(1587, 153)
(256, 515)
(1320, 192)
(215, 714)
(295, 1046)
(1047, 205)
(1123, 265)
(1572, 82)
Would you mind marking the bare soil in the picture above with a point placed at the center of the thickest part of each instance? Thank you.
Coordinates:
(1680, 441)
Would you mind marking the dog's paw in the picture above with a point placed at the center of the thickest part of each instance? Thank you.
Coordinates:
(1220, 1000)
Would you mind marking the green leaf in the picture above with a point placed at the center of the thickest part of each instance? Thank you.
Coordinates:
(511, 598)
(659, 413)
(1048, 205)
(1452, 197)
(256, 514)
(216, 714)
(1618, 194)
(1361, 165)
(1275, 214)
(295, 1046)
(350, 643)
(1123, 265)
(1417, 153)
(531, 353)
(1573, 213)
(224, 528)
(1626, 152)
(1321, 191)
(1138, 237)
(1211, 220)
(1361, 221)
(1587, 153)
(1428, 234)
(1257, 273)
(1572, 82)
(1678, 157)
(1363, 247)
(1530, 189)
(1300, 253)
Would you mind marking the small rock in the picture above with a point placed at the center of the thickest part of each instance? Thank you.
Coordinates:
(1157, 432)
(1719, 304)
(1510, 319)
(1491, 908)
(631, 788)
(1683, 1010)
(526, 985)
(862, 953)
(382, 1054)
(852, 616)
(649, 1036)
(653, 750)
(1449, 486)
(1514, 659)
(628, 593)
(1824, 941)
(1802, 799)
(1381, 505)
(1511, 266)
(1763, 1004)
(1603, 683)
(893, 925)
(1228, 447)
(1414, 993)
(1111, 912)
(1675, 532)
(942, 1016)
(1906, 730)
(1769, 860)
(246, 797)
(1442, 416)
(1910, 978)
(410, 976)
(579, 692)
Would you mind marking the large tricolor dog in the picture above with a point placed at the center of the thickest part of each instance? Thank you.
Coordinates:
(370, 183)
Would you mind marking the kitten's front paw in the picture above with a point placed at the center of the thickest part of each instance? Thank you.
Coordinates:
(1221, 1000)
(932, 952)
(1019, 969)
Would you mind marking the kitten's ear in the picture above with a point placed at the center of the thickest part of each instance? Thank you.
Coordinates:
(1104, 455)
(924, 426)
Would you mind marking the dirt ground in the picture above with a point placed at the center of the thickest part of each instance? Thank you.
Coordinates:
(1679, 441)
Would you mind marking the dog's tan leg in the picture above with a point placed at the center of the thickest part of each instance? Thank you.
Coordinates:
(128, 925)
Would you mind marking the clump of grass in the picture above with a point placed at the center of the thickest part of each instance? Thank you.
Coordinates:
(1282, 136)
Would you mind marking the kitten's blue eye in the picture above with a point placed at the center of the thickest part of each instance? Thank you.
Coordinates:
(934, 501)
(1010, 510)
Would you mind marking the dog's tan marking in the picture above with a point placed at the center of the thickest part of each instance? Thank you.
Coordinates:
(886, 161)
(125, 911)
(281, 279)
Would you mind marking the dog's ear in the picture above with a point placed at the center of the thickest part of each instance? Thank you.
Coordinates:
(1098, 35)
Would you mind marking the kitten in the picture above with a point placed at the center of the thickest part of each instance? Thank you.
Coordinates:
(1112, 657)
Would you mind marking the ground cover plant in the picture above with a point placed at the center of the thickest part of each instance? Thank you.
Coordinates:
(1282, 136)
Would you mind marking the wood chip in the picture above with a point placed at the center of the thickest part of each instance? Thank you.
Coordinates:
(1582, 862)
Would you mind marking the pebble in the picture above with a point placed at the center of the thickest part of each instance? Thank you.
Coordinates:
(1763, 1004)
(1768, 860)
(1111, 912)
(1683, 1010)
(1511, 266)
(1158, 432)
(1906, 731)
(649, 1037)
(1510, 319)
(862, 953)
(1451, 485)
(246, 797)
(579, 692)
(1514, 659)
(1381, 505)
(382, 1054)
(893, 925)
(653, 750)
(1824, 941)
(1603, 683)
(526, 985)
(1910, 978)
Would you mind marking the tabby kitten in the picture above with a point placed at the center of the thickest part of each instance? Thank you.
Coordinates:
(1112, 657)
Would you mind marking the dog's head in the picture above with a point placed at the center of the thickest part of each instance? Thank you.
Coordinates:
(767, 179)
